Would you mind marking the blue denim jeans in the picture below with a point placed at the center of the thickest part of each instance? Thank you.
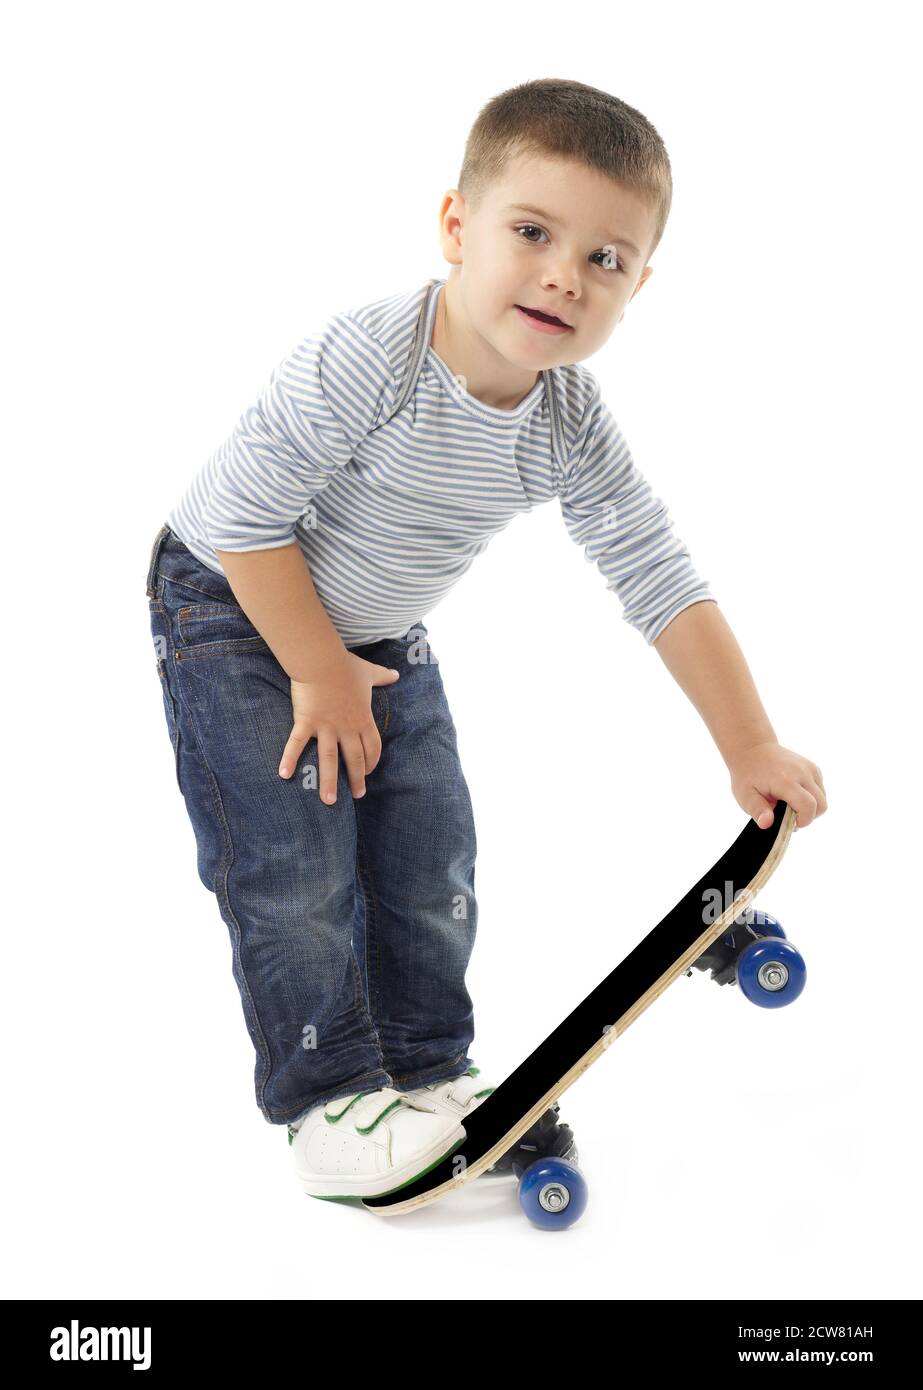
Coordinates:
(351, 924)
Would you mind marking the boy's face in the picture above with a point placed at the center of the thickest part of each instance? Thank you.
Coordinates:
(552, 235)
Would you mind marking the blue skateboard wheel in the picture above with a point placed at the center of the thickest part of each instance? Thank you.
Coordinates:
(771, 972)
(553, 1193)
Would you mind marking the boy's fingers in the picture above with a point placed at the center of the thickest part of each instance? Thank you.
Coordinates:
(292, 752)
(805, 805)
(760, 807)
(371, 742)
(328, 764)
(354, 758)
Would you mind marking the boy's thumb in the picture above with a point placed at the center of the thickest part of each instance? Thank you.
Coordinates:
(761, 809)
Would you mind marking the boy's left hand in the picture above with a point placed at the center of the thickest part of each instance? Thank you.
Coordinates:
(766, 773)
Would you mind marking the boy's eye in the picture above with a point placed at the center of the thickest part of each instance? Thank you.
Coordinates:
(611, 259)
(529, 227)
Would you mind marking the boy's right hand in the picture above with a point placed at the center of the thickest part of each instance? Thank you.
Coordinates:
(336, 709)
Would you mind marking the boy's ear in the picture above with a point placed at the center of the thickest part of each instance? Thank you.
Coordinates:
(646, 274)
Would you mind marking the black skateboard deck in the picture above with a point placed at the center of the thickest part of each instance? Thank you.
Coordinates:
(697, 920)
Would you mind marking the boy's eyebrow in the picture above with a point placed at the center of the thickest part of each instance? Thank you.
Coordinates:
(546, 217)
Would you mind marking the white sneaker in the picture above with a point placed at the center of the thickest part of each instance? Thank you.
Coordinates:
(459, 1096)
(365, 1144)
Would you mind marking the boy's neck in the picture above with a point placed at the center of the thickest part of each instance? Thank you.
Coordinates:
(498, 385)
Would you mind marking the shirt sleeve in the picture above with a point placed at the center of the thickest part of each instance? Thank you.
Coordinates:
(322, 399)
(610, 510)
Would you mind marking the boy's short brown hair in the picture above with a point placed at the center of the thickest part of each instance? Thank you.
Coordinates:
(557, 117)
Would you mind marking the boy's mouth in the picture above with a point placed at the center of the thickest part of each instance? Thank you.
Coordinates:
(539, 316)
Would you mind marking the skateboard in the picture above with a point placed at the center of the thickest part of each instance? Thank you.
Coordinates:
(714, 926)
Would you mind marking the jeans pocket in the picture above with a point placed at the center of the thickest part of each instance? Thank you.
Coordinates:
(213, 629)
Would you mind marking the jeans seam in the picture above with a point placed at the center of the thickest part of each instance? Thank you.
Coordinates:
(175, 738)
(367, 887)
(201, 651)
(359, 1006)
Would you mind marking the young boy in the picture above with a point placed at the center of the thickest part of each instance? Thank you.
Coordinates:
(287, 591)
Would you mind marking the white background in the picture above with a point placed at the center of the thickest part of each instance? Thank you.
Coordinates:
(193, 188)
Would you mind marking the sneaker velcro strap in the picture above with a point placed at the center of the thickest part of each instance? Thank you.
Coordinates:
(335, 1109)
(366, 1109)
(466, 1087)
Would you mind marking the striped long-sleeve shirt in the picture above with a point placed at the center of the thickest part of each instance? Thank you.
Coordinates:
(391, 512)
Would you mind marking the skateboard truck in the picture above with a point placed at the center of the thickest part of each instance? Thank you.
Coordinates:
(756, 954)
(546, 1139)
